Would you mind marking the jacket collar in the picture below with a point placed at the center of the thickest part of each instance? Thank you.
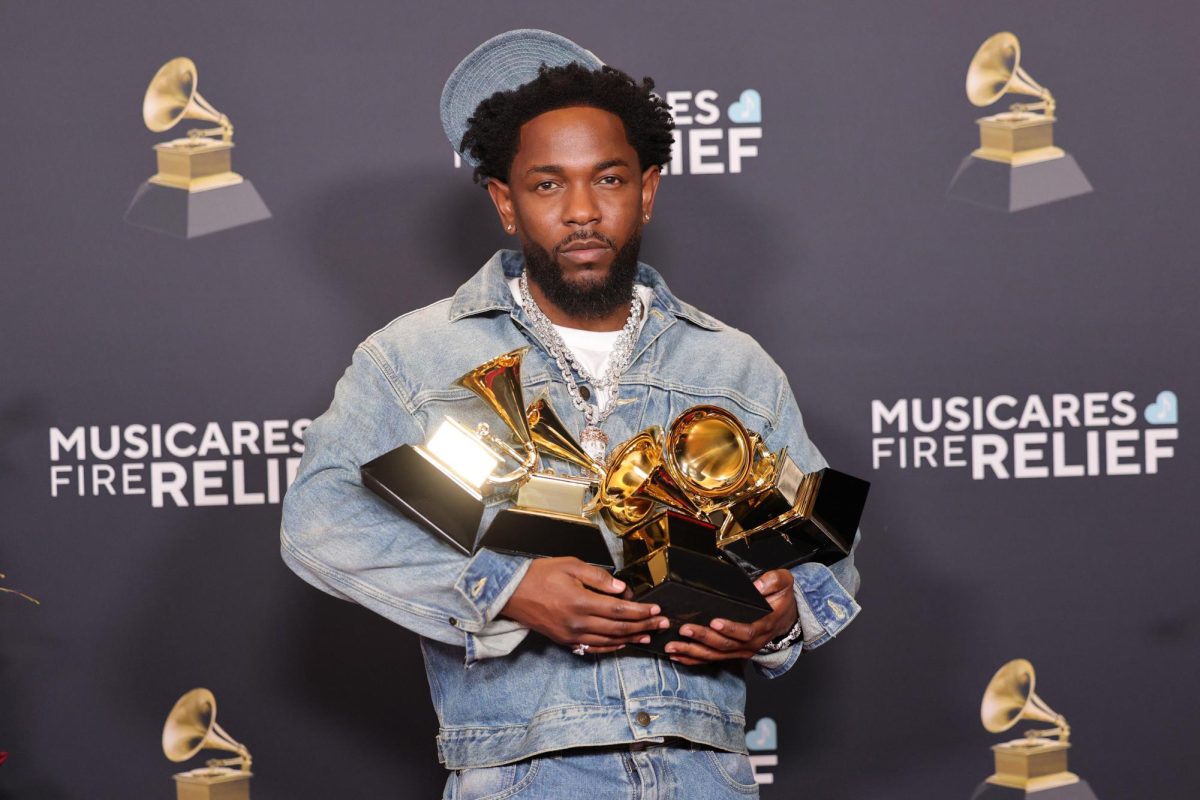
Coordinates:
(487, 290)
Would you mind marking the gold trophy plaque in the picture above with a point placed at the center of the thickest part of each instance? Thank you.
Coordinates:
(191, 727)
(1017, 165)
(1035, 765)
(195, 190)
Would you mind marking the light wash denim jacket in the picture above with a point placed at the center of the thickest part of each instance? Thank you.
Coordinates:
(501, 694)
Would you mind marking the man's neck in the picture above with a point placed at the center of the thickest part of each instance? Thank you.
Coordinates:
(613, 321)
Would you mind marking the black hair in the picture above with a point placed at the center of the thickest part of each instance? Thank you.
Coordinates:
(491, 137)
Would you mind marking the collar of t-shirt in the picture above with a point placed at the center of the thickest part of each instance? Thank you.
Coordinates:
(592, 348)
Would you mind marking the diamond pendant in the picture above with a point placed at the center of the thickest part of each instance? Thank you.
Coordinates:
(594, 442)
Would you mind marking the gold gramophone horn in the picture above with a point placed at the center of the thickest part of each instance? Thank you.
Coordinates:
(1009, 698)
(172, 97)
(996, 71)
(709, 453)
(192, 726)
(636, 478)
(551, 435)
(498, 383)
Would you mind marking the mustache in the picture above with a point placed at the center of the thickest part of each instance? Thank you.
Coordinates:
(580, 236)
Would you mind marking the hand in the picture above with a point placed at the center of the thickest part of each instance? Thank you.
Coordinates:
(724, 639)
(573, 603)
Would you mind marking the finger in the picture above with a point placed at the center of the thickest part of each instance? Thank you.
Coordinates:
(599, 651)
(691, 662)
(710, 638)
(623, 628)
(739, 631)
(603, 606)
(594, 640)
(594, 577)
(701, 653)
(774, 581)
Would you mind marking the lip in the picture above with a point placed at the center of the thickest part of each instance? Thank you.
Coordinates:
(586, 244)
(585, 252)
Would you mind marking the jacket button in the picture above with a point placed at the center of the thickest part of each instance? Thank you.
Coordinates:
(642, 718)
(453, 621)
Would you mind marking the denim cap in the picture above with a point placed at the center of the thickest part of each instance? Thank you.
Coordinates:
(501, 64)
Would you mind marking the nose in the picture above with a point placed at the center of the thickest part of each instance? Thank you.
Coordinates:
(580, 208)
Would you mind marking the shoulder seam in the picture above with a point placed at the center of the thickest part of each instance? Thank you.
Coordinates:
(409, 314)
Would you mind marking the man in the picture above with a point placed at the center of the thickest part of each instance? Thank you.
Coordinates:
(528, 658)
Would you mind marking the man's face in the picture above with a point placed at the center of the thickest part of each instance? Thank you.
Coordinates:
(577, 199)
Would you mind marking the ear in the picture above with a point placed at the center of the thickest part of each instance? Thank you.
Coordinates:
(502, 198)
(650, 179)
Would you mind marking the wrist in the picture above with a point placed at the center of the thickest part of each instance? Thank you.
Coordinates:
(787, 639)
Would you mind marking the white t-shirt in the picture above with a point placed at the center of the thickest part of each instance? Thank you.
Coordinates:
(592, 348)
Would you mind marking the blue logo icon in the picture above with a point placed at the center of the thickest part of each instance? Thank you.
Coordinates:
(764, 736)
(748, 109)
(1164, 411)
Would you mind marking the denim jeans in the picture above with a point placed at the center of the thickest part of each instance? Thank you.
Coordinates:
(655, 772)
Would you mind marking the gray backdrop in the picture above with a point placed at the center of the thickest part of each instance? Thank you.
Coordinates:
(835, 246)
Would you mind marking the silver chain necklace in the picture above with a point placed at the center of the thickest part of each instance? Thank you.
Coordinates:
(593, 440)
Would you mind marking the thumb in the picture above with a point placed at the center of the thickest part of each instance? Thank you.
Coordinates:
(774, 581)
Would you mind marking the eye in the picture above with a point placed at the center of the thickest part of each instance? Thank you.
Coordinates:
(544, 186)
(611, 180)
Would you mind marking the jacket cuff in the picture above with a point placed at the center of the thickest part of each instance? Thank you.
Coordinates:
(497, 639)
(487, 583)
(825, 605)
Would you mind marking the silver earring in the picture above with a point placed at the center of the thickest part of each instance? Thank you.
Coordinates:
(511, 228)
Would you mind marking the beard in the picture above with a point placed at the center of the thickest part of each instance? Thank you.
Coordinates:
(587, 300)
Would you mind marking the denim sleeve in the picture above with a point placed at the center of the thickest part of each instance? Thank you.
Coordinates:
(342, 539)
(824, 595)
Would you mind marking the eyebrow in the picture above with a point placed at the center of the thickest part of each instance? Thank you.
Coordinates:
(554, 169)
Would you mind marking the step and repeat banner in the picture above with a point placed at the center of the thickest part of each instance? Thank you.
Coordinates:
(987, 311)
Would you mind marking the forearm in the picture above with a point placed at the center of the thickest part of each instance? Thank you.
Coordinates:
(341, 538)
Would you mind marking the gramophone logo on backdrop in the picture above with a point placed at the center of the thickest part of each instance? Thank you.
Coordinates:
(1061, 435)
(195, 190)
(240, 463)
(708, 142)
(1016, 165)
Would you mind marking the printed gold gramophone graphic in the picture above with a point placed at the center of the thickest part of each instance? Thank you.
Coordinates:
(191, 727)
(195, 190)
(1017, 164)
(1034, 766)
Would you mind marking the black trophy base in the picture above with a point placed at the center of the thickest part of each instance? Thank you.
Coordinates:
(670, 528)
(824, 534)
(692, 587)
(774, 549)
(837, 508)
(1072, 791)
(185, 214)
(418, 488)
(526, 532)
(1005, 187)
